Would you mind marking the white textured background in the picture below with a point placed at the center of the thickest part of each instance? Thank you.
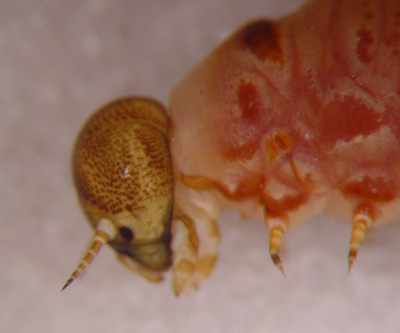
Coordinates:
(60, 60)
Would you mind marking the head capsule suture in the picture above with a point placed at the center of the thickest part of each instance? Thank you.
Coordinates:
(123, 176)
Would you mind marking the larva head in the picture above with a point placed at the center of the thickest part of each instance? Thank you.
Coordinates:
(123, 177)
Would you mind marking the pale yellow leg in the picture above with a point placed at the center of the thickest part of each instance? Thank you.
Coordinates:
(362, 222)
(275, 243)
(185, 247)
(195, 234)
(194, 245)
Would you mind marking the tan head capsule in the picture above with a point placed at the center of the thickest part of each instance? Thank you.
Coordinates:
(123, 177)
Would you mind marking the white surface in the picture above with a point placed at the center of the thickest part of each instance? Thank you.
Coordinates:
(60, 60)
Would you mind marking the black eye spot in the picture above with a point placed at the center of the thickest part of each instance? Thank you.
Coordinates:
(126, 234)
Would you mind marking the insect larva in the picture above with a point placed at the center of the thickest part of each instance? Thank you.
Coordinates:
(284, 120)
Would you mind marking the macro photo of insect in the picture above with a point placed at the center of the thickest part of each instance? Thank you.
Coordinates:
(240, 160)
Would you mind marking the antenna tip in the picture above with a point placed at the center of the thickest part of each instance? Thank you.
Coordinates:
(67, 283)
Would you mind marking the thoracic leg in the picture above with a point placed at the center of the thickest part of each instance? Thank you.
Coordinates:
(275, 243)
(195, 238)
(362, 221)
(194, 245)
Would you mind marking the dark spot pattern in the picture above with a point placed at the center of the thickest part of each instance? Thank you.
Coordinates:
(263, 40)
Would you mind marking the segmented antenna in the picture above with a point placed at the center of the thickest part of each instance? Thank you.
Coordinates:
(105, 232)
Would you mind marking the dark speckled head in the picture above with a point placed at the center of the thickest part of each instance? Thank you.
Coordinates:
(123, 175)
